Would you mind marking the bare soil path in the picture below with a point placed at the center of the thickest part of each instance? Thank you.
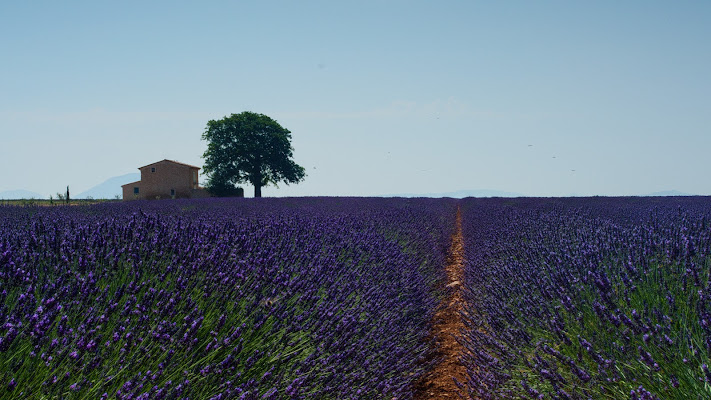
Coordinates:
(447, 323)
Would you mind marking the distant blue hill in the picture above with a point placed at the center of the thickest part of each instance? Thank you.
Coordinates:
(110, 188)
(669, 193)
(19, 194)
(460, 194)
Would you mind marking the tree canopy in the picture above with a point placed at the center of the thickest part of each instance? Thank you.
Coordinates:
(248, 148)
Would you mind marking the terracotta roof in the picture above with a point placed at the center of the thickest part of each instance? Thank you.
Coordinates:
(132, 183)
(174, 162)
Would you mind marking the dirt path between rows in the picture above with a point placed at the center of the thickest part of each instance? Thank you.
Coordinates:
(447, 323)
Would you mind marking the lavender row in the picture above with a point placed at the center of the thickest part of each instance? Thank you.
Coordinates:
(217, 299)
(598, 298)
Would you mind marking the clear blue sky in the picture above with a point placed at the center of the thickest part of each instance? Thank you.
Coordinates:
(380, 96)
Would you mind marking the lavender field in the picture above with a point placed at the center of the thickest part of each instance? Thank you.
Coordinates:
(312, 298)
(333, 298)
(588, 298)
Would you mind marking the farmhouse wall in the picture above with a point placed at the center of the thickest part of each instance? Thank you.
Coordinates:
(129, 191)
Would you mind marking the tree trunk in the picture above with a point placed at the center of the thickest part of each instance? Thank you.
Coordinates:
(257, 182)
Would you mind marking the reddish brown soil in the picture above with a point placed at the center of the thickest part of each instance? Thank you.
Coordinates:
(447, 323)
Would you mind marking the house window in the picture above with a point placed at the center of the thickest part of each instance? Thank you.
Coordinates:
(135, 190)
(153, 169)
(172, 192)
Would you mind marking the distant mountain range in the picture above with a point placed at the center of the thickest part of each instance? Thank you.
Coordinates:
(110, 188)
(460, 194)
(19, 194)
(669, 193)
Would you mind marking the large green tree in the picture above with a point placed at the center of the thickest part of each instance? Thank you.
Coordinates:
(248, 148)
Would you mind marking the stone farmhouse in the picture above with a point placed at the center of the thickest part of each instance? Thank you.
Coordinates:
(166, 179)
